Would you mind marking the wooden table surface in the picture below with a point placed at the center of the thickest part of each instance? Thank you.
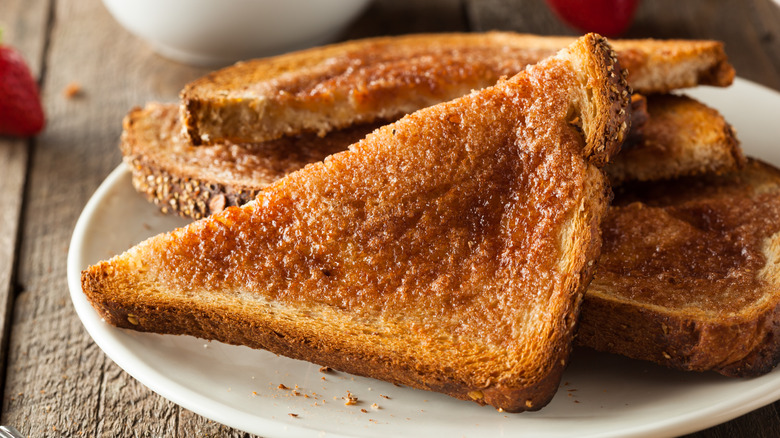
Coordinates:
(56, 381)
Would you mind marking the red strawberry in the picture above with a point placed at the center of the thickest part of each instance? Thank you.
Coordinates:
(20, 105)
(607, 17)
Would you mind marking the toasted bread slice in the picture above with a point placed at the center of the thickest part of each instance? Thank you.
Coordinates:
(681, 137)
(688, 275)
(447, 251)
(332, 87)
(197, 181)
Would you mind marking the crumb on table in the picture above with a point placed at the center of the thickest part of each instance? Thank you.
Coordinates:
(72, 90)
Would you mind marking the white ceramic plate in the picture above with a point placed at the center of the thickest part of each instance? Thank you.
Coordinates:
(601, 395)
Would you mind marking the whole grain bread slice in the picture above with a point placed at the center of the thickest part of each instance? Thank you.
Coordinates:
(197, 181)
(336, 86)
(678, 136)
(447, 251)
(688, 275)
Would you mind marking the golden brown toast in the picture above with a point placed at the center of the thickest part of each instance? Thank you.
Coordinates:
(197, 181)
(336, 86)
(447, 251)
(683, 137)
(688, 275)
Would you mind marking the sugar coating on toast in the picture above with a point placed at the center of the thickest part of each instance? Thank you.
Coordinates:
(688, 274)
(447, 251)
(335, 86)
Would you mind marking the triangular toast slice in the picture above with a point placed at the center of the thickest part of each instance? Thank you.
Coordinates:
(337, 86)
(680, 137)
(447, 251)
(689, 274)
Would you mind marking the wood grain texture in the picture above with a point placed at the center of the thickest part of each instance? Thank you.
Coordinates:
(25, 28)
(13, 172)
(525, 16)
(387, 17)
(24, 25)
(58, 382)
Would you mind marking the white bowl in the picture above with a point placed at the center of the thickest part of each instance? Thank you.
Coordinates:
(213, 32)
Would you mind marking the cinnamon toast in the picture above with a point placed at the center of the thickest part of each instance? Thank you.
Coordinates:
(336, 86)
(678, 136)
(447, 251)
(688, 275)
(681, 137)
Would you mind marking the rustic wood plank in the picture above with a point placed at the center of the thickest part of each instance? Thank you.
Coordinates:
(13, 171)
(525, 16)
(764, 18)
(752, 45)
(386, 17)
(24, 27)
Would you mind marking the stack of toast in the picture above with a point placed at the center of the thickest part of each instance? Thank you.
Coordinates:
(362, 208)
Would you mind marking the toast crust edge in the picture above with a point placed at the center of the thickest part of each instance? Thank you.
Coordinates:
(686, 342)
(284, 337)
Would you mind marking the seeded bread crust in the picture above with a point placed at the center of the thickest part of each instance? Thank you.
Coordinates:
(332, 87)
(447, 251)
(715, 304)
(196, 182)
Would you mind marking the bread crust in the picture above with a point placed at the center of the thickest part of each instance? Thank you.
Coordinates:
(690, 316)
(331, 87)
(196, 182)
(745, 346)
(447, 251)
